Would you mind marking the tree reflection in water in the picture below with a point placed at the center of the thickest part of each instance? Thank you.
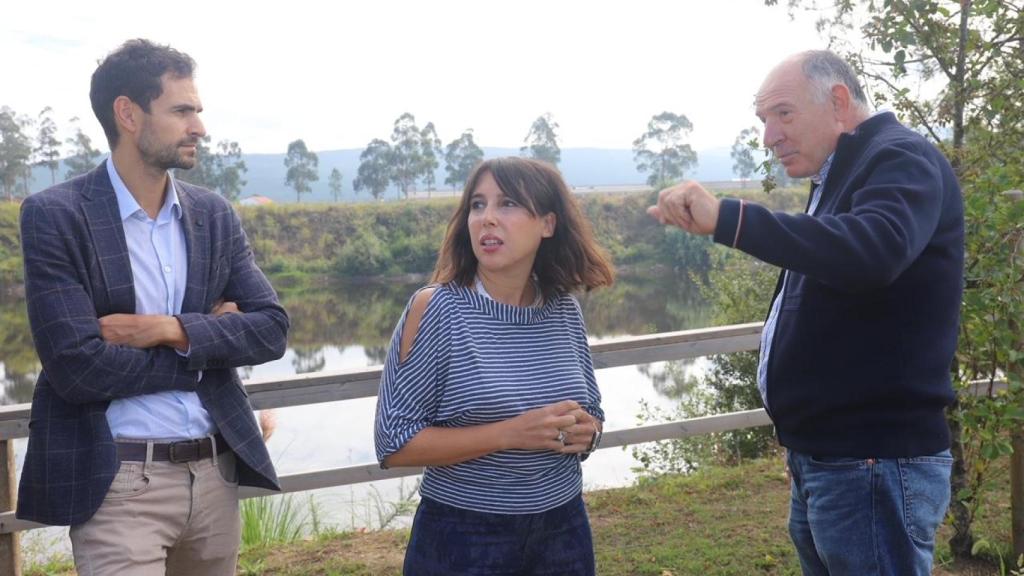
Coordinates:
(343, 314)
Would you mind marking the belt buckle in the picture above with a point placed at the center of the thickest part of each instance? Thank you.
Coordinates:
(189, 450)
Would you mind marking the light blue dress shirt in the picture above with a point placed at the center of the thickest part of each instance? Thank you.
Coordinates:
(159, 260)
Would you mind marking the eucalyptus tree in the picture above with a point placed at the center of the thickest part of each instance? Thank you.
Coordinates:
(334, 184)
(460, 157)
(406, 153)
(47, 148)
(661, 152)
(375, 168)
(744, 165)
(302, 166)
(430, 149)
(15, 154)
(230, 167)
(203, 172)
(542, 140)
(83, 155)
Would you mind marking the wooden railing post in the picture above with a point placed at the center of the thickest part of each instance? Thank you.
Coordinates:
(10, 553)
(1016, 369)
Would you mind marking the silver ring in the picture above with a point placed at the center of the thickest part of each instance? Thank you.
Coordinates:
(561, 436)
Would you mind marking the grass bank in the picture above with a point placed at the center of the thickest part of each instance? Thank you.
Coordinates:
(716, 522)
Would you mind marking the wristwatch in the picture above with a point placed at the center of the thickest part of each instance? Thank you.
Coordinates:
(595, 440)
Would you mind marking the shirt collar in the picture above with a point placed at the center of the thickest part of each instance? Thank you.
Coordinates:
(128, 206)
(823, 173)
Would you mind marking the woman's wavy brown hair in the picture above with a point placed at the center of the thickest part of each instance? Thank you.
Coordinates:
(569, 261)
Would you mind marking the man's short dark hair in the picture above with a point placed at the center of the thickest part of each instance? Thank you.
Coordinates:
(134, 70)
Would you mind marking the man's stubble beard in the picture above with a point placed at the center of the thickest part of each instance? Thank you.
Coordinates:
(165, 157)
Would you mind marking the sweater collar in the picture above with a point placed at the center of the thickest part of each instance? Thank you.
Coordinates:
(866, 129)
(500, 311)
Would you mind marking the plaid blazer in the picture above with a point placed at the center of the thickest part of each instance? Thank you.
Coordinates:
(76, 271)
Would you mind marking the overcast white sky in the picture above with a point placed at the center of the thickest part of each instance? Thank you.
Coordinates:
(337, 74)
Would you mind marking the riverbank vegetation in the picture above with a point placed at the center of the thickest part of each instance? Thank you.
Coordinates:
(297, 244)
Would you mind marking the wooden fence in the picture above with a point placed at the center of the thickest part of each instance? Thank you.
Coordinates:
(345, 385)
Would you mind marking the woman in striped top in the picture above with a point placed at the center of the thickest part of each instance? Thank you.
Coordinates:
(489, 383)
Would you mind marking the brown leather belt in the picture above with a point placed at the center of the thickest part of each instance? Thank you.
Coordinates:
(177, 452)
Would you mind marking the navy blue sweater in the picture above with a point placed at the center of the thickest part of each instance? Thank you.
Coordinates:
(860, 360)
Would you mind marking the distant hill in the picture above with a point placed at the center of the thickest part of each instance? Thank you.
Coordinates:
(582, 167)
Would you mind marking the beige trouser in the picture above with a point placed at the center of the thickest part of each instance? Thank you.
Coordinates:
(162, 518)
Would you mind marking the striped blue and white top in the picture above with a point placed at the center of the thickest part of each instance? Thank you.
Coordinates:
(476, 361)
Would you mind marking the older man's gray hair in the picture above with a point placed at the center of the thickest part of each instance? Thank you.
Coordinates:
(824, 69)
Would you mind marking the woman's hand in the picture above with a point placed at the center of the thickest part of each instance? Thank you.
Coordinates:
(561, 427)
(579, 435)
(542, 428)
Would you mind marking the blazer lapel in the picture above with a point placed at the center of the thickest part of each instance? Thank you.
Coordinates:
(107, 233)
(197, 242)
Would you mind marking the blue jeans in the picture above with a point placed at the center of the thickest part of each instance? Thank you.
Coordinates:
(867, 517)
(449, 541)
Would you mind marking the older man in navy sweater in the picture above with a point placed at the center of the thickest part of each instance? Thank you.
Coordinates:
(856, 350)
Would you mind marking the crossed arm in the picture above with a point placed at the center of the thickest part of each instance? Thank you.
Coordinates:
(150, 330)
(88, 359)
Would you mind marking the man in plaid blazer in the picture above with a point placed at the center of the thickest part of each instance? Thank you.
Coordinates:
(143, 298)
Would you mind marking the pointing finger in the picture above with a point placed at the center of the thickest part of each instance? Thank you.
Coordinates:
(655, 213)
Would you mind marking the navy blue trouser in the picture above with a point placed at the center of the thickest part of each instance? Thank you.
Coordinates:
(450, 541)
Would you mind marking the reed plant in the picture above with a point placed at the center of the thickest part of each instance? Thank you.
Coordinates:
(272, 520)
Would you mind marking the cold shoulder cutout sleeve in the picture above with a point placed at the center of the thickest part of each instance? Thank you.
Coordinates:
(409, 387)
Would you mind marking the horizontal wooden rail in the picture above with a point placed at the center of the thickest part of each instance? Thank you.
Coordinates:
(369, 472)
(612, 439)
